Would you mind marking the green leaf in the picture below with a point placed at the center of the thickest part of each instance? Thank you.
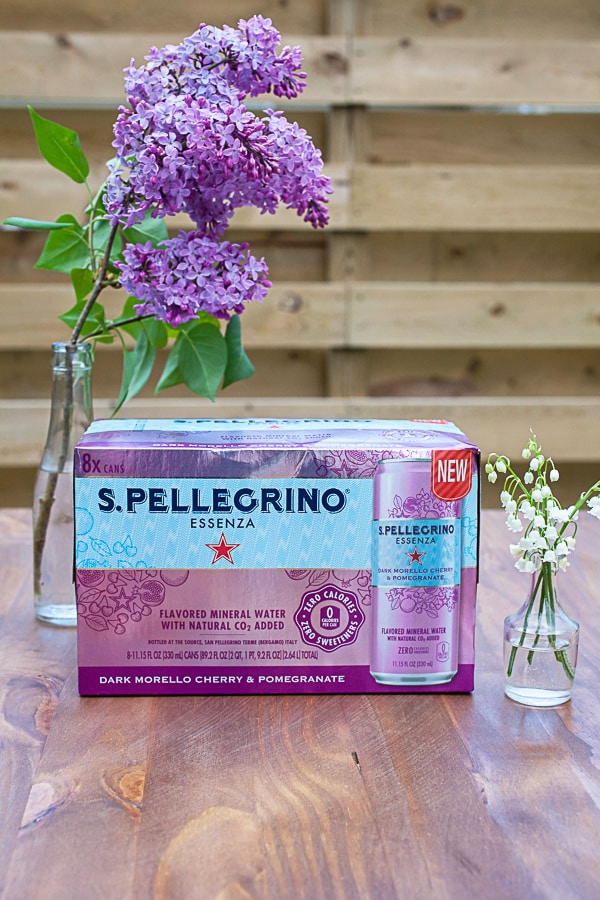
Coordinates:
(66, 249)
(129, 312)
(34, 224)
(60, 147)
(202, 358)
(171, 374)
(156, 332)
(238, 365)
(102, 231)
(137, 366)
(96, 318)
(83, 282)
(149, 229)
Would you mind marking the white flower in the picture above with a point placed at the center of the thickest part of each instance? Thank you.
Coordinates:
(594, 506)
(527, 510)
(537, 541)
(514, 524)
(547, 530)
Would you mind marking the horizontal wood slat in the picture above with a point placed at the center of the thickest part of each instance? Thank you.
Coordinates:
(475, 315)
(401, 70)
(85, 69)
(362, 314)
(499, 423)
(180, 15)
(375, 198)
(492, 198)
(509, 19)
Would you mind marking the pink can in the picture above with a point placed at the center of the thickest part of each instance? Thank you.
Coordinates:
(416, 568)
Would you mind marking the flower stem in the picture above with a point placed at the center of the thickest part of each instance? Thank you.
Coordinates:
(514, 649)
(544, 584)
(99, 284)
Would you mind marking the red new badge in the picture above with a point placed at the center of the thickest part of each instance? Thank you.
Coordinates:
(451, 474)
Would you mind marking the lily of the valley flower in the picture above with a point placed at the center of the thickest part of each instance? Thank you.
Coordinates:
(594, 506)
(548, 528)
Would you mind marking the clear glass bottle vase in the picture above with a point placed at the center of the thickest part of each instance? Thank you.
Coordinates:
(70, 415)
(540, 645)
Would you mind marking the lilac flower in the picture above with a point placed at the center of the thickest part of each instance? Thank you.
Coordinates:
(190, 274)
(186, 142)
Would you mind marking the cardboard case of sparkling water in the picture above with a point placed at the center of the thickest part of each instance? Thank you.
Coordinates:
(275, 556)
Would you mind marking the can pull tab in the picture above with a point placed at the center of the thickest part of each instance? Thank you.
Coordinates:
(451, 474)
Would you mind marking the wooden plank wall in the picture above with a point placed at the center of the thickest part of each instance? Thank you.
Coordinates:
(459, 275)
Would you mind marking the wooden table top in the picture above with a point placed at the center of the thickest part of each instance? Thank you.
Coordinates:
(382, 796)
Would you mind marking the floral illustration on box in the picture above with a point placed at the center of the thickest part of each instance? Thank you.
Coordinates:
(349, 463)
(423, 506)
(359, 580)
(426, 600)
(469, 538)
(110, 600)
(94, 553)
(413, 436)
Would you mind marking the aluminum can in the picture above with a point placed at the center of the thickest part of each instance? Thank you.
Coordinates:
(416, 568)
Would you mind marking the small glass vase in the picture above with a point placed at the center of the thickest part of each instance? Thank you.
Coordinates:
(70, 415)
(540, 646)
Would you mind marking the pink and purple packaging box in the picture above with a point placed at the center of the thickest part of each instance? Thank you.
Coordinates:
(275, 556)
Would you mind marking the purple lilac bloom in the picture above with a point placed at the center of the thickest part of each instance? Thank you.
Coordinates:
(192, 273)
(186, 142)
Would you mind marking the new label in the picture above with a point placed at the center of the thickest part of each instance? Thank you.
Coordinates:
(451, 474)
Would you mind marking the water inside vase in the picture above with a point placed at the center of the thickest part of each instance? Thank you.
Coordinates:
(55, 599)
(539, 676)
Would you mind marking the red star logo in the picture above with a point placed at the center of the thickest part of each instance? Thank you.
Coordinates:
(222, 550)
(415, 556)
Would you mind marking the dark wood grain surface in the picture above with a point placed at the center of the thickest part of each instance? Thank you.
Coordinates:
(383, 796)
